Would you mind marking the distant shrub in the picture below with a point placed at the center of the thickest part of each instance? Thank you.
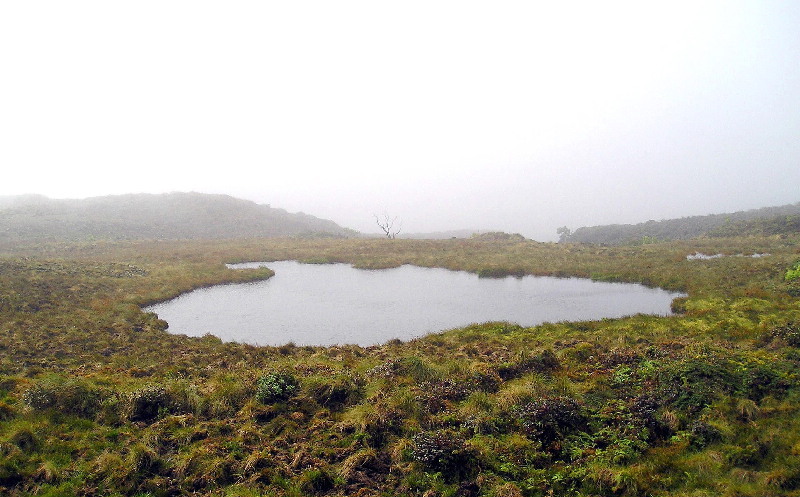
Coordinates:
(792, 277)
(434, 395)
(551, 418)
(790, 333)
(485, 381)
(445, 451)
(70, 396)
(703, 434)
(646, 240)
(386, 370)
(274, 387)
(761, 380)
(148, 403)
(695, 383)
(645, 409)
(288, 348)
(793, 272)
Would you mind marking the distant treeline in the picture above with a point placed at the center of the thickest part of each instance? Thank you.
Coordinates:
(171, 216)
(764, 221)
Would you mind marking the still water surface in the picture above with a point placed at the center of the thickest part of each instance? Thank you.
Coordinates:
(313, 304)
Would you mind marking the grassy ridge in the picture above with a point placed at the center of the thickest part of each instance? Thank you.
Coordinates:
(170, 216)
(96, 398)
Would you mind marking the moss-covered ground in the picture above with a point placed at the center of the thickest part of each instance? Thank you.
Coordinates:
(97, 398)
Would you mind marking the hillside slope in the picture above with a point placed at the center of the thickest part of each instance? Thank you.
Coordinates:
(171, 216)
(683, 228)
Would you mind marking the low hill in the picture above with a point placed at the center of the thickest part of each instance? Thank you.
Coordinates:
(777, 225)
(170, 216)
(767, 220)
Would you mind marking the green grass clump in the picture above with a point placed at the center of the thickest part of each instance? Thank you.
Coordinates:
(793, 272)
(65, 395)
(274, 387)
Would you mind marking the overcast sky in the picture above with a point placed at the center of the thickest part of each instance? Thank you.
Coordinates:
(515, 116)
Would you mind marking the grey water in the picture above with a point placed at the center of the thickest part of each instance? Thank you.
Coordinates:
(328, 304)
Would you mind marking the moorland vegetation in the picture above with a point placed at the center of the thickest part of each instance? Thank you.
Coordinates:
(98, 398)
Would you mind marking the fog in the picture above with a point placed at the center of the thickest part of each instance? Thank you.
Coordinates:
(513, 117)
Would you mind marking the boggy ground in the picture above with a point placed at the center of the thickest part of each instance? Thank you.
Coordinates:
(97, 398)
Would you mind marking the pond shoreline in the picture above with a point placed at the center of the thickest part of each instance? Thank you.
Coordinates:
(335, 303)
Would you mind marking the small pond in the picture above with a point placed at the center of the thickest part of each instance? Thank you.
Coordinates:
(327, 304)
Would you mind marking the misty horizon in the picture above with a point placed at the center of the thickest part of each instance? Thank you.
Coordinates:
(518, 118)
(376, 231)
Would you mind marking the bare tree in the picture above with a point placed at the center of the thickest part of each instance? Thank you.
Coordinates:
(387, 224)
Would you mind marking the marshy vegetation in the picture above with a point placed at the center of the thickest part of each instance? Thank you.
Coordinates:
(98, 398)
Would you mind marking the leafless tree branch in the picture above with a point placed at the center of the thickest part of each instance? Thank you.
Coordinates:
(387, 225)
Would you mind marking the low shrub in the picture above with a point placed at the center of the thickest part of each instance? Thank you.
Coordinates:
(275, 387)
(792, 277)
(793, 273)
(645, 410)
(148, 403)
(762, 380)
(445, 451)
(695, 383)
(435, 394)
(789, 333)
(485, 381)
(551, 418)
(704, 434)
